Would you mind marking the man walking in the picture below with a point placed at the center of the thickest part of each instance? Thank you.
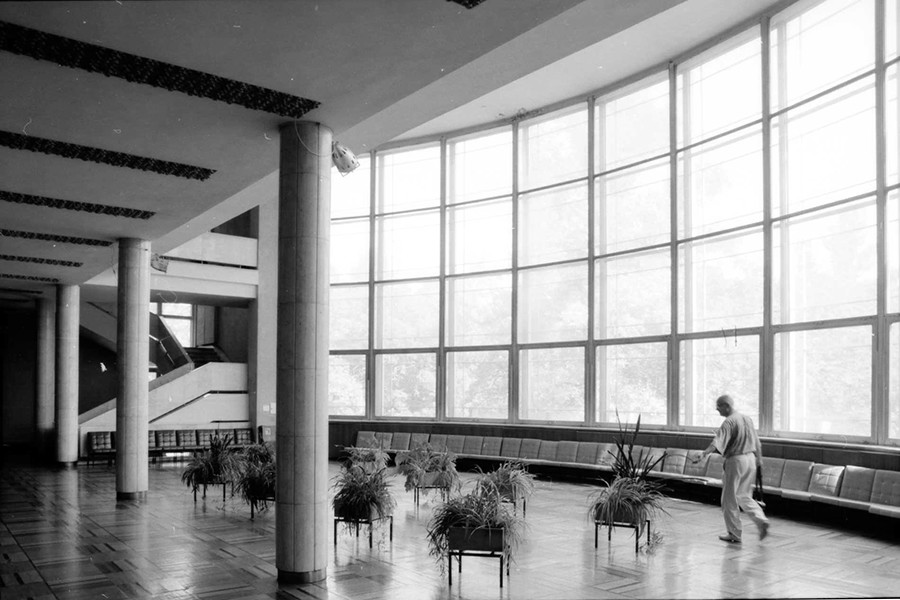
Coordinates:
(737, 441)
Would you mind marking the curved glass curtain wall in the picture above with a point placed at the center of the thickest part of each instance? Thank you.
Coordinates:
(728, 224)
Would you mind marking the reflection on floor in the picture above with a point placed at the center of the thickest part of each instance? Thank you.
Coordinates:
(63, 535)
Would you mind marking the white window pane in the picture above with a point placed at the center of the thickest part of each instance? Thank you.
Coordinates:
(479, 166)
(181, 329)
(479, 236)
(720, 282)
(825, 265)
(632, 382)
(825, 150)
(407, 245)
(892, 20)
(553, 148)
(350, 192)
(350, 251)
(893, 251)
(892, 127)
(823, 381)
(894, 385)
(553, 225)
(405, 385)
(720, 89)
(632, 208)
(347, 385)
(633, 295)
(711, 367)
(176, 310)
(551, 384)
(553, 304)
(479, 310)
(349, 317)
(409, 179)
(632, 124)
(406, 315)
(816, 45)
(720, 184)
(478, 385)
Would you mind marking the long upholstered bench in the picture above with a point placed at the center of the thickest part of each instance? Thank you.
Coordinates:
(876, 491)
(163, 442)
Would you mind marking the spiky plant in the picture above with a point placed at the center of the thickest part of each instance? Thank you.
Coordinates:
(371, 459)
(625, 464)
(360, 494)
(216, 464)
(482, 508)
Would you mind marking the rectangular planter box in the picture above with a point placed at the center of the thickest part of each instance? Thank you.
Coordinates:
(476, 540)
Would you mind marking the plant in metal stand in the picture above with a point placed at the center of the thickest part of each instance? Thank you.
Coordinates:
(362, 497)
(256, 482)
(217, 465)
(514, 482)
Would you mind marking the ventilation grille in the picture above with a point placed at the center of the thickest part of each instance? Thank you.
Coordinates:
(467, 3)
(15, 291)
(47, 237)
(18, 141)
(29, 278)
(99, 209)
(40, 261)
(137, 69)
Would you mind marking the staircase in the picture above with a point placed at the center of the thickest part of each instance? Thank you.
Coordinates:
(202, 355)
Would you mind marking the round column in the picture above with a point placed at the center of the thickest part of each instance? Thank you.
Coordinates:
(301, 533)
(68, 314)
(133, 356)
(45, 407)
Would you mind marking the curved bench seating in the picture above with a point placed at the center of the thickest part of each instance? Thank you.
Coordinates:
(876, 491)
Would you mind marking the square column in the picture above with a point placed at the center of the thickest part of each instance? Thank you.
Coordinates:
(304, 220)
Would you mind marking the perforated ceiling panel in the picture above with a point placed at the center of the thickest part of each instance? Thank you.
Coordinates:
(100, 209)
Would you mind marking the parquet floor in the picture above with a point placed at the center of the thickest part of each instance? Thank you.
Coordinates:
(63, 535)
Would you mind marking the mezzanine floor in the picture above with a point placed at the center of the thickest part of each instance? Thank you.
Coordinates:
(63, 535)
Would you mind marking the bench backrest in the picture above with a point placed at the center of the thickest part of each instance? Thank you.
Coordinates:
(825, 480)
(857, 483)
(886, 488)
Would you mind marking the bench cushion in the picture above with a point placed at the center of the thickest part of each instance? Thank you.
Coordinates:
(651, 454)
(530, 448)
(383, 439)
(166, 438)
(796, 475)
(825, 480)
(857, 484)
(243, 436)
(606, 455)
(455, 443)
(205, 437)
(438, 441)
(510, 447)
(548, 450)
(187, 438)
(566, 452)
(366, 439)
(491, 446)
(886, 488)
(772, 471)
(400, 441)
(100, 441)
(695, 469)
(472, 445)
(418, 439)
(675, 459)
(715, 467)
(587, 452)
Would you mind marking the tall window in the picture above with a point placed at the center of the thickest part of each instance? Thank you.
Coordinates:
(640, 252)
(179, 318)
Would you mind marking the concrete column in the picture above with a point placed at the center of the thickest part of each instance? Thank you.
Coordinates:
(264, 320)
(133, 355)
(45, 409)
(301, 533)
(68, 314)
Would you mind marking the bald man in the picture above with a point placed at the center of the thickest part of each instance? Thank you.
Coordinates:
(737, 441)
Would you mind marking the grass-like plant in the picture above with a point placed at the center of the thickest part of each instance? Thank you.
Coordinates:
(628, 501)
(417, 463)
(482, 508)
(370, 459)
(512, 480)
(216, 464)
(360, 495)
(256, 482)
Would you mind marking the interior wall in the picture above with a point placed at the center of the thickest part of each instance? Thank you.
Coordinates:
(204, 325)
(97, 374)
(18, 373)
(232, 326)
(241, 225)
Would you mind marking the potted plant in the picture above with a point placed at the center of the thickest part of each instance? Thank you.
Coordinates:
(631, 499)
(513, 481)
(474, 523)
(216, 465)
(362, 496)
(369, 459)
(256, 481)
(425, 468)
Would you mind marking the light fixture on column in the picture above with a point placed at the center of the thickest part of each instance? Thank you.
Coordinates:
(343, 158)
(160, 263)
